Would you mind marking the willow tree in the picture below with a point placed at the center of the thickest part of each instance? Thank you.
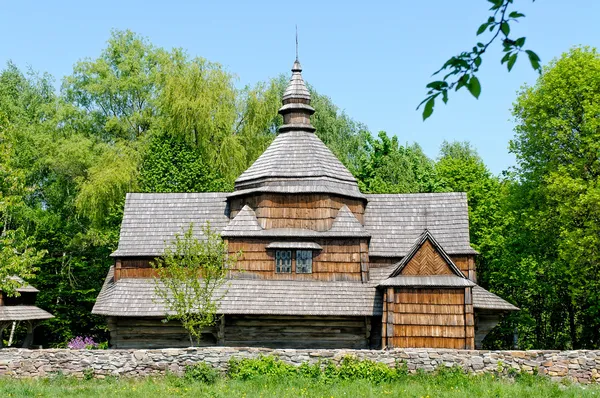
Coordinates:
(190, 279)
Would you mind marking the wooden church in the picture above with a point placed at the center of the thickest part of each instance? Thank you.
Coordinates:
(324, 265)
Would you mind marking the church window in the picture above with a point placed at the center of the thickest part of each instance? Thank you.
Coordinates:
(303, 261)
(283, 261)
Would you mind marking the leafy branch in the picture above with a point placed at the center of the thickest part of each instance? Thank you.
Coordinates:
(462, 68)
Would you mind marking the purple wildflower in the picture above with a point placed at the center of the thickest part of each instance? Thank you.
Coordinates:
(80, 343)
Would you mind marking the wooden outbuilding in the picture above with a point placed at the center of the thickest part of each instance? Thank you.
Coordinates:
(21, 308)
(323, 265)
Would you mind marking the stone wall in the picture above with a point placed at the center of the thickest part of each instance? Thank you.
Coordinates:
(579, 366)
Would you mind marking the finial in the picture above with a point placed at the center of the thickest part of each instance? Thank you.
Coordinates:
(296, 42)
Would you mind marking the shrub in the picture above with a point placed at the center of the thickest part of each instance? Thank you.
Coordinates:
(246, 368)
(201, 372)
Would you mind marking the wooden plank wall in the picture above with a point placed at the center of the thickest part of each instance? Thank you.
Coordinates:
(309, 211)
(466, 263)
(339, 260)
(434, 318)
(296, 331)
(133, 267)
(381, 262)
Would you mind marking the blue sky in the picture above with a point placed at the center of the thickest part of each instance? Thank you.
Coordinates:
(373, 58)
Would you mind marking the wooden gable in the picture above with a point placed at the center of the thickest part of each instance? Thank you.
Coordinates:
(427, 257)
(427, 261)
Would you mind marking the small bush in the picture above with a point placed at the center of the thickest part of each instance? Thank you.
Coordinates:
(201, 372)
(246, 368)
(88, 374)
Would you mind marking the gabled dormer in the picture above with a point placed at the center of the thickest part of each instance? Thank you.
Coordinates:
(428, 302)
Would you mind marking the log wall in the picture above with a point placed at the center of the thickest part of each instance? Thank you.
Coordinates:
(435, 318)
(296, 331)
(246, 331)
(339, 260)
(308, 211)
(153, 333)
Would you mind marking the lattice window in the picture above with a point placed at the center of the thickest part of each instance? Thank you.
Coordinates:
(303, 261)
(283, 261)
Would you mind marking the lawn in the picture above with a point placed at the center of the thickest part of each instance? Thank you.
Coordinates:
(296, 386)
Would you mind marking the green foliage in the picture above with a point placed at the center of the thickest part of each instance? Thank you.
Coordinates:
(433, 385)
(350, 368)
(189, 279)
(201, 372)
(171, 165)
(461, 169)
(461, 69)
(388, 167)
(550, 259)
(249, 368)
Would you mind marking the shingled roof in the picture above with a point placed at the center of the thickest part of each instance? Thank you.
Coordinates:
(23, 313)
(136, 297)
(394, 222)
(150, 219)
(484, 300)
(397, 220)
(297, 161)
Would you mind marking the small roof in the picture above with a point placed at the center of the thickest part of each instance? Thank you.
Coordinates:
(346, 222)
(23, 313)
(136, 297)
(294, 245)
(427, 281)
(245, 220)
(397, 220)
(296, 87)
(151, 219)
(245, 224)
(484, 300)
(24, 287)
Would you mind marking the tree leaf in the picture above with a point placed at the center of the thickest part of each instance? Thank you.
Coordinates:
(474, 86)
(505, 28)
(534, 60)
(482, 28)
(520, 42)
(515, 15)
(511, 61)
(428, 108)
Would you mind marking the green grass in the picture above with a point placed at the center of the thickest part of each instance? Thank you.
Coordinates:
(443, 385)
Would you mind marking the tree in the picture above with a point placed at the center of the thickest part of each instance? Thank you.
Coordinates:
(388, 167)
(461, 169)
(190, 279)
(462, 68)
(554, 245)
(171, 165)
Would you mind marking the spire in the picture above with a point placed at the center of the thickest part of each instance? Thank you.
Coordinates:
(296, 43)
(296, 109)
